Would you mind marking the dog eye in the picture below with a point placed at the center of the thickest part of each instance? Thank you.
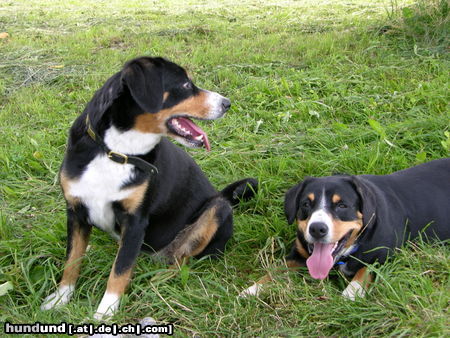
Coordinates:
(187, 85)
(305, 204)
(341, 205)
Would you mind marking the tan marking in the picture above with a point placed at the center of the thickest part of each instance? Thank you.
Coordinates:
(132, 202)
(203, 234)
(336, 198)
(193, 239)
(363, 277)
(151, 123)
(302, 225)
(165, 96)
(265, 279)
(311, 197)
(293, 264)
(78, 248)
(341, 228)
(195, 106)
(118, 283)
(300, 249)
(65, 183)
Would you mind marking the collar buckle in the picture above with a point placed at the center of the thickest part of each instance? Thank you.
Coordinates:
(118, 157)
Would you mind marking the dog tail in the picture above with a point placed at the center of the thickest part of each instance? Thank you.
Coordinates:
(240, 190)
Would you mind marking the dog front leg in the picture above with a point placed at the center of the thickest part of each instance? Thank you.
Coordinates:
(132, 236)
(77, 239)
(358, 285)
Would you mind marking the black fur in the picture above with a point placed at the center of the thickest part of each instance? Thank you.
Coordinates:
(240, 190)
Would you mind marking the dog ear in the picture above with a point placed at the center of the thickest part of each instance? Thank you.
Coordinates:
(144, 81)
(291, 201)
(104, 98)
(368, 199)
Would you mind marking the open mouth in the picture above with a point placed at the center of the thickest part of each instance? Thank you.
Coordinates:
(185, 128)
(323, 256)
(336, 247)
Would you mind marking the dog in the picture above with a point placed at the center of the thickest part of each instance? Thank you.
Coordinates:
(122, 175)
(351, 222)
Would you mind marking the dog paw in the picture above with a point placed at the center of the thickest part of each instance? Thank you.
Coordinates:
(60, 297)
(354, 290)
(108, 306)
(253, 290)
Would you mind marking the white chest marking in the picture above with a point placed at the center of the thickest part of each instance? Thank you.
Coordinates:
(99, 186)
(131, 142)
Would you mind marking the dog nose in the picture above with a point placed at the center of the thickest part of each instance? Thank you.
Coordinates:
(226, 104)
(318, 230)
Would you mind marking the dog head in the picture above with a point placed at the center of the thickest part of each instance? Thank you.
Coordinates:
(154, 95)
(330, 213)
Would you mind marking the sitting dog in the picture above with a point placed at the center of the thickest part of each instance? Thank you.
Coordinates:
(121, 175)
(353, 221)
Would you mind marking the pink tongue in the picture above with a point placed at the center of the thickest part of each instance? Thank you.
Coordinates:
(188, 124)
(321, 261)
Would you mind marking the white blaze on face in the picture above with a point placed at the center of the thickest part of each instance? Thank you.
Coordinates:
(320, 216)
(321, 261)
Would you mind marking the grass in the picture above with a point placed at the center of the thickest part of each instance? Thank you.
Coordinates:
(317, 87)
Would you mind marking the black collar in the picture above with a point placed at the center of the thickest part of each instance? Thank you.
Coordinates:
(119, 157)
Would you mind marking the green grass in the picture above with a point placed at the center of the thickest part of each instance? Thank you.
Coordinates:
(317, 87)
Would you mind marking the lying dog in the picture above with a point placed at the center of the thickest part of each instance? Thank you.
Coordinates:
(352, 221)
(121, 175)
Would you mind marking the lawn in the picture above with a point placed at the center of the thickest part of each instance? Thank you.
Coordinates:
(317, 87)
